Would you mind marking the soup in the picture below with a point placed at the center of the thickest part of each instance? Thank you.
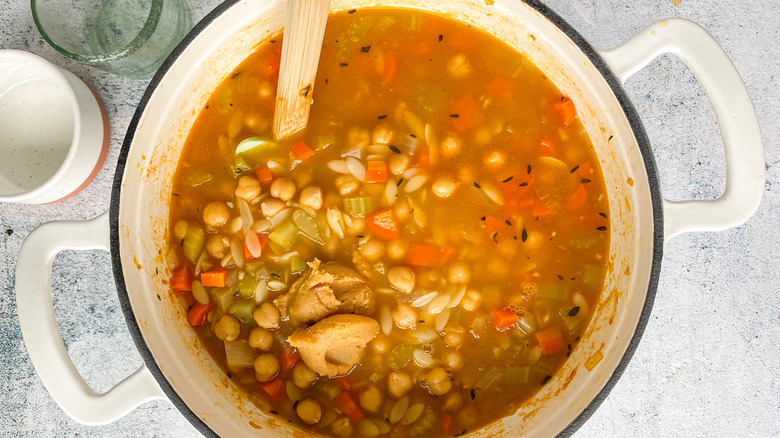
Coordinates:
(420, 260)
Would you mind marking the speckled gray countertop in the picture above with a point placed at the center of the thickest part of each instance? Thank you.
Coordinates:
(709, 361)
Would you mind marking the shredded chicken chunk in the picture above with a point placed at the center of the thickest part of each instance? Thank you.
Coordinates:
(325, 290)
(335, 345)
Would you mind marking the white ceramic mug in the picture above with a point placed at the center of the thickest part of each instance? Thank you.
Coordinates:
(53, 131)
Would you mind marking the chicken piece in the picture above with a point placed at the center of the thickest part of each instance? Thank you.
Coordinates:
(325, 290)
(333, 346)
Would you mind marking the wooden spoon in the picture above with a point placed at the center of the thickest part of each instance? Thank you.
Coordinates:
(304, 31)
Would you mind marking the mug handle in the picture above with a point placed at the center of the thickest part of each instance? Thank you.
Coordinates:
(745, 168)
(42, 337)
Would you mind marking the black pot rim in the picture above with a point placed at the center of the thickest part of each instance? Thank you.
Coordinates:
(617, 88)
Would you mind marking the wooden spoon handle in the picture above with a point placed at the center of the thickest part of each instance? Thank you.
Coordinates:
(304, 32)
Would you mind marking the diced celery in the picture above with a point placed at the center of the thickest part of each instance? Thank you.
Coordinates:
(425, 424)
(385, 22)
(358, 207)
(193, 243)
(415, 22)
(544, 367)
(554, 292)
(197, 177)
(297, 265)
(254, 266)
(243, 310)
(527, 324)
(284, 235)
(308, 225)
(246, 286)
(400, 355)
(584, 240)
(360, 27)
(222, 297)
(239, 354)
(239, 165)
(488, 378)
(592, 275)
(323, 141)
(427, 99)
(254, 145)
(517, 375)
(572, 317)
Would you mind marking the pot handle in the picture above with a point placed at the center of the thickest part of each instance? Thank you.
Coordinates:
(42, 337)
(745, 168)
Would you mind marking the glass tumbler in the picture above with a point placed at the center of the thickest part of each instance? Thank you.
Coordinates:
(131, 38)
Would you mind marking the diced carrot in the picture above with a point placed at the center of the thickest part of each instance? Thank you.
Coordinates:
(264, 175)
(541, 210)
(214, 278)
(181, 280)
(343, 382)
(546, 147)
(583, 171)
(288, 359)
(263, 238)
(389, 68)
(376, 172)
(493, 223)
(465, 114)
(198, 313)
(423, 158)
(566, 110)
(447, 253)
(422, 255)
(501, 86)
(446, 423)
(301, 150)
(503, 319)
(271, 67)
(274, 388)
(347, 405)
(383, 224)
(550, 341)
(578, 198)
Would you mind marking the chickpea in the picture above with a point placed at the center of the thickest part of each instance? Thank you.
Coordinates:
(248, 188)
(372, 250)
(454, 360)
(227, 328)
(382, 134)
(267, 316)
(266, 367)
(271, 207)
(401, 278)
(453, 401)
(444, 186)
(371, 399)
(216, 246)
(451, 146)
(216, 214)
(396, 249)
(358, 137)
(453, 339)
(398, 163)
(381, 345)
(347, 184)
(303, 376)
(471, 300)
(459, 273)
(309, 411)
(405, 316)
(180, 229)
(283, 188)
(495, 159)
(311, 197)
(341, 427)
(260, 338)
(355, 225)
(438, 381)
(398, 384)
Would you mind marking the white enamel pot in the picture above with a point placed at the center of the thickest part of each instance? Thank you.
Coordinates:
(136, 227)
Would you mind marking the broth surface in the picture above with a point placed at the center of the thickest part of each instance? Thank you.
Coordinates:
(420, 260)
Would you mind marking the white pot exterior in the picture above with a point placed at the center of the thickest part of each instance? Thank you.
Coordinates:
(140, 217)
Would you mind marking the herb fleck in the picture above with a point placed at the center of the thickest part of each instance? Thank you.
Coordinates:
(394, 149)
(584, 180)
(604, 215)
(602, 228)
(528, 169)
(158, 297)
(412, 135)
(610, 138)
(454, 116)
(174, 194)
(523, 184)
(508, 222)
(441, 37)
(574, 169)
(359, 236)
(573, 312)
(476, 184)
(524, 236)
(382, 117)
(508, 179)
(365, 49)
(235, 75)
(546, 379)
(473, 394)
(343, 64)
(400, 181)
(560, 277)
(494, 237)
(351, 11)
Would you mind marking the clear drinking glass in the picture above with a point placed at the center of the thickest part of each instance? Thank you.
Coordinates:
(131, 38)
